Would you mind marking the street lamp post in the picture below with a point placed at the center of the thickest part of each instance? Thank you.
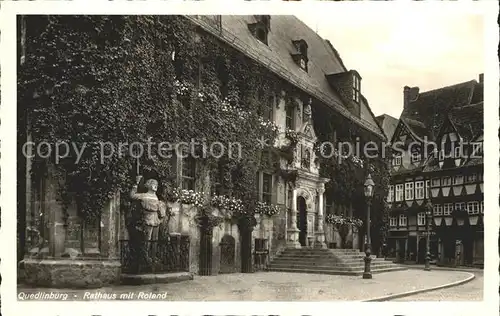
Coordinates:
(428, 213)
(369, 185)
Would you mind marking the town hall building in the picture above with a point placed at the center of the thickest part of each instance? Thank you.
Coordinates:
(293, 54)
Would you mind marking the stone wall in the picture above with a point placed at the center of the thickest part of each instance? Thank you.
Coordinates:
(332, 235)
(62, 250)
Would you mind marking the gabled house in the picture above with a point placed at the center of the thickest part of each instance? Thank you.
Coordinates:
(438, 158)
(388, 124)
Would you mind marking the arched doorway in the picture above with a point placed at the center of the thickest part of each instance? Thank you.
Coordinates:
(227, 254)
(302, 220)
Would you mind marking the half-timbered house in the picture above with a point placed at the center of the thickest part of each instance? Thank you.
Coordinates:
(438, 158)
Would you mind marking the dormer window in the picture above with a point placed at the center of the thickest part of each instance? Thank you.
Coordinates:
(303, 64)
(261, 35)
(441, 155)
(356, 88)
(397, 160)
(260, 29)
(415, 157)
(300, 57)
(477, 150)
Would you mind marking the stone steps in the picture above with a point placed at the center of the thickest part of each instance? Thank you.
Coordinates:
(328, 261)
(334, 272)
(331, 256)
(303, 266)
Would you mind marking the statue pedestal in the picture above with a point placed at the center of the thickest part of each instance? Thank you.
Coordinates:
(293, 238)
(320, 240)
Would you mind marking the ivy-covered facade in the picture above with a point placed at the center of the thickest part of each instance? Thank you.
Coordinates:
(269, 84)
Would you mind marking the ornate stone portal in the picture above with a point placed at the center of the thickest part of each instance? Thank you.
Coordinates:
(309, 186)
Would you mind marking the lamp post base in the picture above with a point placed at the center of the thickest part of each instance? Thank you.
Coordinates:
(427, 262)
(367, 274)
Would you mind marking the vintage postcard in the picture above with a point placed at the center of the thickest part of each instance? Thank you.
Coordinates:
(196, 158)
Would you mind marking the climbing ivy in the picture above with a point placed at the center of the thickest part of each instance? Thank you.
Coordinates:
(347, 175)
(124, 79)
(94, 79)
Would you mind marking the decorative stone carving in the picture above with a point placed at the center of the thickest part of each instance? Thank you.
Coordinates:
(307, 110)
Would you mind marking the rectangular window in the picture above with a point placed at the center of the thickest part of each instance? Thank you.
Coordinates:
(437, 209)
(409, 192)
(460, 206)
(396, 161)
(188, 173)
(393, 221)
(473, 208)
(441, 155)
(447, 208)
(419, 190)
(458, 152)
(477, 150)
(415, 157)
(355, 88)
(421, 219)
(266, 105)
(446, 181)
(217, 178)
(402, 220)
(267, 110)
(390, 196)
(435, 182)
(471, 178)
(290, 117)
(482, 207)
(458, 180)
(427, 188)
(399, 192)
(267, 187)
(479, 177)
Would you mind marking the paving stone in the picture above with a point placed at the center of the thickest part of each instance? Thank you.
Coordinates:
(276, 286)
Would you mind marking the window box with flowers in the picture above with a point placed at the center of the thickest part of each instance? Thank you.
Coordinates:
(292, 135)
(342, 224)
(266, 209)
(186, 201)
(227, 206)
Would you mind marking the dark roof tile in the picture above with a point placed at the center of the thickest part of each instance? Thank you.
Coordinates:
(388, 124)
(468, 120)
(277, 56)
(431, 107)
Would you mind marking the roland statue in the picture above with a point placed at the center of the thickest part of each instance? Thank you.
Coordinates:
(152, 209)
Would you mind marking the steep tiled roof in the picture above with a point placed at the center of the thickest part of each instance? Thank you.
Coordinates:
(468, 120)
(432, 107)
(417, 128)
(276, 56)
(388, 124)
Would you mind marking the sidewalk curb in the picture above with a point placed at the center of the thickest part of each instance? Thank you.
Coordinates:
(468, 270)
(409, 293)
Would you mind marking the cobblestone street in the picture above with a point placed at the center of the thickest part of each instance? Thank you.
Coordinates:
(471, 291)
(276, 286)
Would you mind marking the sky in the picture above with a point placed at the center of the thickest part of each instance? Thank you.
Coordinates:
(414, 48)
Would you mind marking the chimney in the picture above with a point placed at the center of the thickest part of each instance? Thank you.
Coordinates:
(481, 78)
(409, 95)
(406, 96)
